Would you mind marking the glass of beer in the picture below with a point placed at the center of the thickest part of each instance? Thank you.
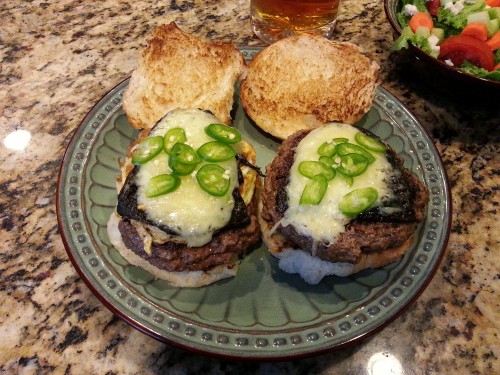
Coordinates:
(276, 19)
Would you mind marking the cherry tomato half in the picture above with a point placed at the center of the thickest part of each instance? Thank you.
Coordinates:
(459, 48)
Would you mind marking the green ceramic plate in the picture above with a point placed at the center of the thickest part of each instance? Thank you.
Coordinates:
(262, 313)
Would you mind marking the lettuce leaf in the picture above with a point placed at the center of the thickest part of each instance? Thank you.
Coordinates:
(474, 70)
(459, 21)
(408, 36)
(420, 4)
(402, 18)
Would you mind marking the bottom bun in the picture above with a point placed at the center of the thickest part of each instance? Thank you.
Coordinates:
(312, 269)
(188, 279)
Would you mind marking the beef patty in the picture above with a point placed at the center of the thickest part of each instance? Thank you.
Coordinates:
(371, 231)
(223, 249)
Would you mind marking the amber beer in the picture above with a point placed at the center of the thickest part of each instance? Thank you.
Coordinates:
(276, 19)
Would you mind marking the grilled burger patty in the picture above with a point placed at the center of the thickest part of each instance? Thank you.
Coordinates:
(224, 247)
(240, 232)
(370, 231)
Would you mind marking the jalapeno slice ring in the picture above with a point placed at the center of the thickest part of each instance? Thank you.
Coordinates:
(213, 179)
(348, 180)
(340, 140)
(358, 201)
(216, 151)
(370, 143)
(352, 165)
(311, 168)
(223, 133)
(350, 148)
(326, 160)
(173, 136)
(327, 149)
(184, 154)
(179, 168)
(147, 150)
(162, 184)
(314, 191)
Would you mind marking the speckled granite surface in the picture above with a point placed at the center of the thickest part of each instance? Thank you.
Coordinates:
(60, 57)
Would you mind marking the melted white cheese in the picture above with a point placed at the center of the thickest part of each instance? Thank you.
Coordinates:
(325, 222)
(190, 211)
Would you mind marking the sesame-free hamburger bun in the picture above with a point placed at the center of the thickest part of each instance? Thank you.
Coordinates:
(304, 81)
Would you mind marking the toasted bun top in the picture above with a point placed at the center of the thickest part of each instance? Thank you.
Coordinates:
(304, 81)
(181, 71)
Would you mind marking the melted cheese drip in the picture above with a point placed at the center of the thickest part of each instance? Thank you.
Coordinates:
(190, 211)
(325, 222)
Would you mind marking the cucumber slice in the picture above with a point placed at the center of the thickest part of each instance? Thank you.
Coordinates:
(493, 26)
(439, 33)
(494, 13)
(482, 17)
(423, 31)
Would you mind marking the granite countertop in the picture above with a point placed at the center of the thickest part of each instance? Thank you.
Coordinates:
(60, 57)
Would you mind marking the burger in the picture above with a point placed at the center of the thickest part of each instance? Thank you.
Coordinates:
(187, 206)
(336, 200)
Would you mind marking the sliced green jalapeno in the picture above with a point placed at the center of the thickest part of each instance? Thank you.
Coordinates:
(147, 150)
(340, 140)
(162, 184)
(370, 143)
(312, 168)
(173, 136)
(326, 160)
(349, 148)
(358, 201)
(327, 149)
(349, 180)
(213, 179)
(352, 165)
(216, 152)
(314, 191)
(179, 168)
(223, 133)
(184, 154)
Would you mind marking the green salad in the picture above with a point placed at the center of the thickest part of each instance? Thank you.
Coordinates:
(464, 34)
